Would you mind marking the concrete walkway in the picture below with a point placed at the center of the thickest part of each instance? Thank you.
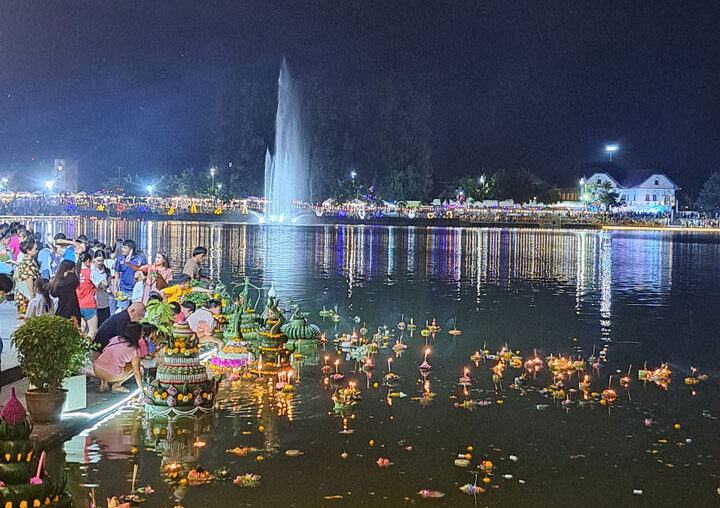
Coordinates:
(8, 323)
(12, 377)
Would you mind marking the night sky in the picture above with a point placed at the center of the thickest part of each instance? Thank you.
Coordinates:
(537, 84)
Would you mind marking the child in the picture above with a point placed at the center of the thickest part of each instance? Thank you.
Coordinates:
(139, 287)
(177, 292)
(42, 303)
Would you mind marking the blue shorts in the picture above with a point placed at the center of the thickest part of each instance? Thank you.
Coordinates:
(88, 314)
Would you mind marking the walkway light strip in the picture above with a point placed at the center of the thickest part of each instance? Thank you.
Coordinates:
(117, 405)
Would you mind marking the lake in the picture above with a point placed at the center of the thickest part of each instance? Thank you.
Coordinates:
(630, 299)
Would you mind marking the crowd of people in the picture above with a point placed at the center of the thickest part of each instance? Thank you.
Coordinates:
(104, 289)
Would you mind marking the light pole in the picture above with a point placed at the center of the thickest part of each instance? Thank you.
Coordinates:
(212, 179)
(582, 192)
(610, 150)
(219, 188)
(5, 181)
(353, 175)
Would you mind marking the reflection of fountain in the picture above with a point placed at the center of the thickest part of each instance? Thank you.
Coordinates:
(286, 171)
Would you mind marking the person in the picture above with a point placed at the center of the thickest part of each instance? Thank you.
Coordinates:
(177, 312)
(14, 243)
(139, 287)
(125, 280)
(149, 335)
(116, 323)
(202, 321)
(192, 267)
(177, 292)
(23, 235)
(42, 303)
(63, 287)
(159, 275)
(25, 274)
(57, 254)
(100, 276)
(6, 259)
(119, 360)
(44, 259)
(110, 260)
(86, 291)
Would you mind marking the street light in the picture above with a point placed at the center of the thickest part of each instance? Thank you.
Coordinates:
(49, 184)
(60, 168)
(353, 174)
(150, 189)
(212, 178)
(219, 187)
(482, 179)
(610, 150)
(582, 191)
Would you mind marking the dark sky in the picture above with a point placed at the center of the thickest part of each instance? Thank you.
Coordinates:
(532, 83)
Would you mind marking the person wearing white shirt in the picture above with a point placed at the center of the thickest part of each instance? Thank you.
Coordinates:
(202, 320)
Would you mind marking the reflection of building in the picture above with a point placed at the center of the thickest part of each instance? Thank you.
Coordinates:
(66, 175)
(646, 190)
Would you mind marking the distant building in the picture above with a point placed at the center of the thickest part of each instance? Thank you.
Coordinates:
(640, 190)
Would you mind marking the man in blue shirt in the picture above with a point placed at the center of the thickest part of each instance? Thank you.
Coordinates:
(125, 275)
(44, 258)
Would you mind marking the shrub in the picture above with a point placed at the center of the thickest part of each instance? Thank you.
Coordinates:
(50, 348)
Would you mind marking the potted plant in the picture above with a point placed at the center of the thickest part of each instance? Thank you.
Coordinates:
(49, 348)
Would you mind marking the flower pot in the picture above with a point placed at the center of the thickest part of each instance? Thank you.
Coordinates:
(45, 407)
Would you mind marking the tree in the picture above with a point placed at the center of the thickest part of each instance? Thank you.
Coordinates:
(606, 195)
(709, 196)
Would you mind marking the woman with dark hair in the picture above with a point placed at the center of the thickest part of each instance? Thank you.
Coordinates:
(120, 359)
(100, 276)
(86, 294)
(159, 275)
(25, 274)
(62, 287)
(42, 303)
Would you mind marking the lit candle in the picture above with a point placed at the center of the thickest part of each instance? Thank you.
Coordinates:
(427, 352)
(337, 362)
(389, 362)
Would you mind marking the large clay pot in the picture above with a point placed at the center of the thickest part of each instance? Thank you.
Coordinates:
(45, 407)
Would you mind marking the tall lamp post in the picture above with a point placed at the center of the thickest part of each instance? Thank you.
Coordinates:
(353, 175)
(582, 193)
(610, 150)
(212, 179)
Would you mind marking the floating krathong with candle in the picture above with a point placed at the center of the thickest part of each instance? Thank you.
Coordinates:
(399, 346)
(401, 325)
(411, 325)
(326, 369)
(659, 376)
(391, 379)
(425, 366)
(337, 377)
(433, 326)
(454, 331)
(465, 378)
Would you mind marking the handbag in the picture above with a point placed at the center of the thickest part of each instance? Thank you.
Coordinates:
(160, 282)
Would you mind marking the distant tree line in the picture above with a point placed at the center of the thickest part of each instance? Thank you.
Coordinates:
(378, 130)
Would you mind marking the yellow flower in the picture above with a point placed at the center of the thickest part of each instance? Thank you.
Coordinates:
(23, 504)
(175, 350)
(180, 396)
(164, 395)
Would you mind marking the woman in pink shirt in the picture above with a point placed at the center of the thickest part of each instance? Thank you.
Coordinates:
(119, 360)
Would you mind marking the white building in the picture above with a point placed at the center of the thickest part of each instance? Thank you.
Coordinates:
(646, 190)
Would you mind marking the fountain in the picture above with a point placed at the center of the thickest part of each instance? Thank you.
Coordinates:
(286, 171)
